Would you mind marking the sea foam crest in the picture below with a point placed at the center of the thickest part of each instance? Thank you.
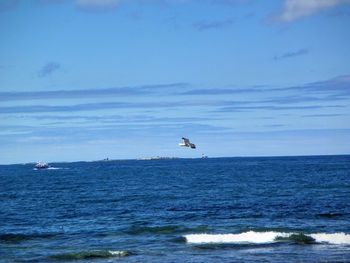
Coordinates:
(336, 238)
(247, 237)
(252, 237)
(119, 253)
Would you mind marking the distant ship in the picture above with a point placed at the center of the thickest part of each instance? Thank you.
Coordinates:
(42, 165)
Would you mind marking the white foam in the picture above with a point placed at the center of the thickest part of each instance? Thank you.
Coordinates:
(247, 237)
(49, 168)
(336, 238)
(119, 253)
(252, 237)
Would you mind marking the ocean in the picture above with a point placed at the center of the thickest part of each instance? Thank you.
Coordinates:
(267, 209)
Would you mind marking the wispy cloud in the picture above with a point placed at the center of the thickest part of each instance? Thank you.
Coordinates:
(290, 54)
(91, 93)
(61, 119)
(321, 115)
(274, 125)
(337, 88)
(333, 93)
(49, 69)
(221, 91)
(321, 94)
(296, 99)
(296, 9)
(207, 25)
(209, 105)
(109, 105)
(275, 108)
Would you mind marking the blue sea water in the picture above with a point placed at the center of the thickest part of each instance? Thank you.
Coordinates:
(273, 209)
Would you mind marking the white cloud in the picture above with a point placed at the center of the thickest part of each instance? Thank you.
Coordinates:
(295, 9)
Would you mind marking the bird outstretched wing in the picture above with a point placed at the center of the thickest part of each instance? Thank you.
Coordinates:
(186, 141)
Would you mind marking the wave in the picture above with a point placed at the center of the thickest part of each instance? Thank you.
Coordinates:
(49, 168)
(252, 237)
(91, 255)
(336, 238)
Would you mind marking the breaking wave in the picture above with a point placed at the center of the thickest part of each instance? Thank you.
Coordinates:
(49, 168)
(252, 237)
(91, 255)
(336, 238)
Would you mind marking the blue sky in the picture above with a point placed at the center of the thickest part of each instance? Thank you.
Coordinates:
(88, 79)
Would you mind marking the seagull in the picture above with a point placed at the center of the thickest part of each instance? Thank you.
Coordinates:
(186, 143)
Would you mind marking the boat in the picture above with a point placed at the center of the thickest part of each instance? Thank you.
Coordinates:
(41, 165)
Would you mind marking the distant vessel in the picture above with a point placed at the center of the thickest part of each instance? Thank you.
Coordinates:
(42, 165)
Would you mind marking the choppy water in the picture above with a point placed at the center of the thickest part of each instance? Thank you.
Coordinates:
(291, 209)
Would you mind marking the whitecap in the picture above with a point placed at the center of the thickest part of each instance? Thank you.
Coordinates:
(246, 237)
(119, 253)
(335, 238)
(252, 237)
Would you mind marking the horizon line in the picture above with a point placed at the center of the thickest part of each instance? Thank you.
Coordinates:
(176, 158)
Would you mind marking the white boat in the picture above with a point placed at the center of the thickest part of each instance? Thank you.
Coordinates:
(42, 165)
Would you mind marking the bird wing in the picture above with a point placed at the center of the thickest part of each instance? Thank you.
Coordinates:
(186, 141)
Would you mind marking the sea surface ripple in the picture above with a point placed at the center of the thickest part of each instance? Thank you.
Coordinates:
(267, 209)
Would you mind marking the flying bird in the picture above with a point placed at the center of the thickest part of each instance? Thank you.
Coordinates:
(186, 143)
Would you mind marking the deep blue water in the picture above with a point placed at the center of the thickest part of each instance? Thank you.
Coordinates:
(286, 209)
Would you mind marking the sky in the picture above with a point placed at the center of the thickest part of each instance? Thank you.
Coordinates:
(123, 79)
